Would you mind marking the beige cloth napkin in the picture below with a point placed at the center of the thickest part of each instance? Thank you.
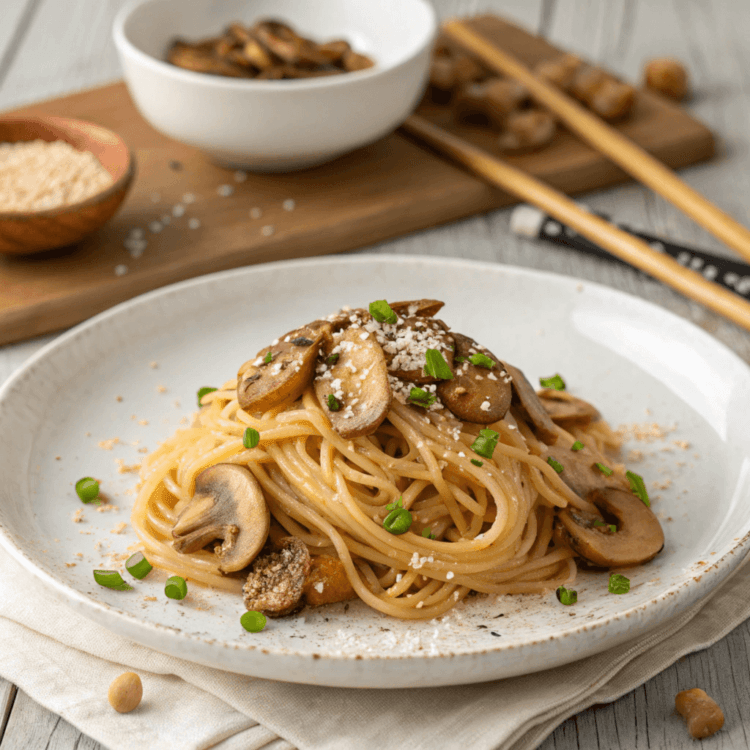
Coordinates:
(66, 662)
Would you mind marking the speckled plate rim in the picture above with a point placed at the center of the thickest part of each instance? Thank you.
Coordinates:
(270, 662)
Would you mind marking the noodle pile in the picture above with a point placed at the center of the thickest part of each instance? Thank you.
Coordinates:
(493, 524)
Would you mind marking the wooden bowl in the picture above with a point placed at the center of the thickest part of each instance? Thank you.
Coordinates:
(36, 231)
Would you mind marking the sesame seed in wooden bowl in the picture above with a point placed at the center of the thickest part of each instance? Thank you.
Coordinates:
(52, 195)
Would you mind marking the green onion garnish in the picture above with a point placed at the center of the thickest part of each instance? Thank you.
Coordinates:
(87, 489)
(250, 438)
(253, 621)
(397, 521)
(333, 404)
(436, 366)
(427, 534)
(268, 358)
(111, 579)
(566, 596)
(481, 360)
(395, 504)
(421, 397)
(138, 566)
(332, 359)
(555, 382)
(618, 584)
(202, 392)
(477, 462)
(381, 311)
(485, 443)
(175, 587)
(460, 359)
(604, 469)
(577, 446)
(599, 523)
(638, 486)
(556, 465)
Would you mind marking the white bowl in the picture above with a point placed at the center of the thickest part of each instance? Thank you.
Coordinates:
(278, 125)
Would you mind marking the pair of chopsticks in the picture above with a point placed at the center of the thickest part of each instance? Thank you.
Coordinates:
(632, 158)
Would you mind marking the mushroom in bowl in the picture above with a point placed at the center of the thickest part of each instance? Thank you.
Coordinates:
(278, 125)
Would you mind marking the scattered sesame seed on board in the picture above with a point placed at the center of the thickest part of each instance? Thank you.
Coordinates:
(194, 223)
(155, 227)
(289, 204)
(267, 230)
(189, 198)
(256, 213)
(178, 210)
(121, 269)
(225, 190)
(240, 176)
(165, 219)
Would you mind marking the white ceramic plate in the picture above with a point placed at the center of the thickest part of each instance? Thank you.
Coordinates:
(636, 362)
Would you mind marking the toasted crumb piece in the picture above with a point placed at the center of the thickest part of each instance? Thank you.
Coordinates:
(123, 468)
(701, 713)
(119, 528)
(107, 445)
(143, 422)
(78, 516)
(161, 388)
(118, 398)
(154, 365)
(150, 599)
(327, 582)
(70, 565)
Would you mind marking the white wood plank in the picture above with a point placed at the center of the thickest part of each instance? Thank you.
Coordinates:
(16, 17)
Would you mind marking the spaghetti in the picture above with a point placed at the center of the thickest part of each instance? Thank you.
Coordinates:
(478, 524)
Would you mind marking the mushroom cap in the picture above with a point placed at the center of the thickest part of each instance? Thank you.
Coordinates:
(359, 382)
(638, 539)
(227, 504)
(416, 334)
(524, 396)
(421, 308)
(567, 410)
(276, 581)
(472, 386)
(262, 385)
(580, 472)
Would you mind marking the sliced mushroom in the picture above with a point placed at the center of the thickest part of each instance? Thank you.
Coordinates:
(358, 383)
(476, 394)
(352, 61)
(275, 583)
(580, 472)
(407, 343)
(262, 385)
(227, 504)
(333, 51)
(567, 410)
(256, 54)
(327, 582)
(422, 308)
(638, 539)
(200, 60)
(524, 396)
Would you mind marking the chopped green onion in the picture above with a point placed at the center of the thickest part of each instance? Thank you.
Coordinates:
(333, 404)
(485, 443)
(477, 462)
(556, 465)
(460, 359)
(395, 504)
(566, 596)
(175, 587)
(638, 486)
(604, 469)
(202, 392)
(268, 358)
(382, 312)
(555, 382)
(397, 521)
(611, 526)
(87, 489)
(618, 584)
(332, 359)
(436, 366)
(138, 566)
(577, 446)
(111, 579)
(427, 534)
(481, 360)
(253, 621)
(251, 437)
(421, 397)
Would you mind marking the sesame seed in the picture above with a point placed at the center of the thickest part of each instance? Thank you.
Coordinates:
(267, 230)
(194, 223)
(289, 205)
(188, 198)
(178, 210)
(121, 269)
(240, 175)
(155, 227)
(137, 233)
(225, 190)
(256, 213)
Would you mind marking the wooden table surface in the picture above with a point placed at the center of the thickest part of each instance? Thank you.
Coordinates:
(50, 47)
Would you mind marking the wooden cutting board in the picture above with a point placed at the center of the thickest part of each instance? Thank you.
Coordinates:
(390, 188)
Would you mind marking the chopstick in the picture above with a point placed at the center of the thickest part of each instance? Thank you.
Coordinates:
(625, 246)
(610, 142)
